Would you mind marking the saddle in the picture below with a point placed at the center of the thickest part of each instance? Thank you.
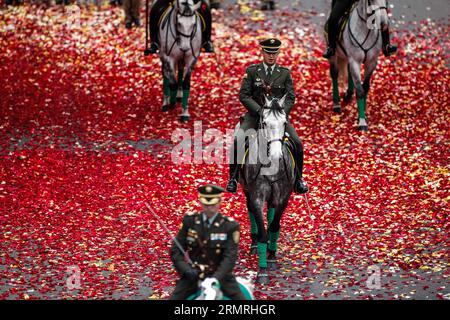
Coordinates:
(342, 22)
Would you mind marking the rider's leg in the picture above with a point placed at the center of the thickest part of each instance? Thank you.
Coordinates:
(230, 288)
(299, 186)
(388, 48)
(135, 8)
(184, 289)
(338, 10)
(128, 15)
(205, 12)
(237, 152)
(155, 14)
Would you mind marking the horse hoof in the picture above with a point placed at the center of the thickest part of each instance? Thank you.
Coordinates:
(184, 119)
(337, 109)
(253, 250)
(348, 97)
(167, 107)
(272, 265)
(262, 279)
(363, 128)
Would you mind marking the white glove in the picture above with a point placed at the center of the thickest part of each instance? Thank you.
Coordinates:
(210, 288)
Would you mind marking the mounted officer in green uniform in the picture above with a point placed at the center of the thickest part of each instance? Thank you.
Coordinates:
(338, 10)
(271, 79)
(211, 241)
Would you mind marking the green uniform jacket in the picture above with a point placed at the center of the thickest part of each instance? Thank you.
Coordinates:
(251, 93)
(219, 243)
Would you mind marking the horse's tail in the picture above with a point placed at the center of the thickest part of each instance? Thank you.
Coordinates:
(343, 69)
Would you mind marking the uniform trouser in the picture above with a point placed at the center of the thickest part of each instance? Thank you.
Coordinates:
(229, 286)
(160, 6)
(131, 8)
(250, 122)
(339, 7)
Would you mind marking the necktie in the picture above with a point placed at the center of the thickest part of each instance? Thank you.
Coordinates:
(269, 72)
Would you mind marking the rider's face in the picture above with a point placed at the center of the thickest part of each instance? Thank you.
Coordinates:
(210, 210)
(270, 58)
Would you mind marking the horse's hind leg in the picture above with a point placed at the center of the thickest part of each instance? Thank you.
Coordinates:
(166, 94)
(355, 71)
(274, 218)
(186, 85)
(350, 89)
(273, 238)
(180, 84)
(169, 86)
(253, 234)
(334, 72)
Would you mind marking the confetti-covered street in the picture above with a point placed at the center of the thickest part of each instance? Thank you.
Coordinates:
(84, 143)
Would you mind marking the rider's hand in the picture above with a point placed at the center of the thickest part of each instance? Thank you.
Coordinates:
(191, 274)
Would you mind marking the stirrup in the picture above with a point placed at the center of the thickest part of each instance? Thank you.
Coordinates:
(152, 50)
(208, 47)
(300, 186)
(389, 50)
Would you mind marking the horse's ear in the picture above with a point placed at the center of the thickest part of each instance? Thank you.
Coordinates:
(197, 6)
(282, 100)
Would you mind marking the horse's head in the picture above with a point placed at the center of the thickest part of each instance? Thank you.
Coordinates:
(272, 124)
(186, 22)
(377, 13)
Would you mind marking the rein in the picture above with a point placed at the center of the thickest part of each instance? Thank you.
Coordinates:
(176, 33)
(353, 37)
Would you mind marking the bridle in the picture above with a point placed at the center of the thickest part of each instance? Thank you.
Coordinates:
(262, 125)
(352, 36)
(188, 15)
(178, 34)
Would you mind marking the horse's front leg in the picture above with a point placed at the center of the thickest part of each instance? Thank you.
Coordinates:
(355, 71)
(369, 69)
(255, 208)
(186, 86)
(169, 84)
(334, 73)
(274, 218)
